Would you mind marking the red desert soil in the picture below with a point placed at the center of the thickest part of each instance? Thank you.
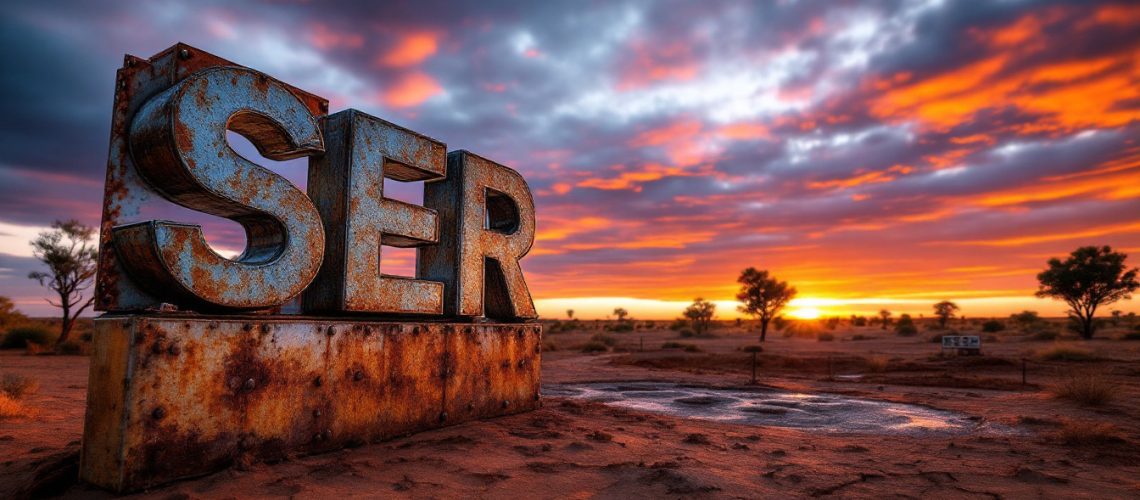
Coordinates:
(572, 449)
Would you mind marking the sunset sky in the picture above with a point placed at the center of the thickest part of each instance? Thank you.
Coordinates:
(875, 154)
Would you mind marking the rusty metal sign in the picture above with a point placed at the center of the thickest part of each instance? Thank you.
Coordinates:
(198, 362)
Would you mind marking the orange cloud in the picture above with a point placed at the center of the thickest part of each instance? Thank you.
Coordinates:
(410, 50)
(744, 131)
(1068, 95)
(631, 179)
(873, 177)
(324, 38)
(411, 90)
(658, 62)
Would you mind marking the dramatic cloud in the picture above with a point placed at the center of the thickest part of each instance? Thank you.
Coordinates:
(876, 154)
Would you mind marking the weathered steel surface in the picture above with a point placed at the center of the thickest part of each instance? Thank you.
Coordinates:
(486, 217)
(126, 192)
(258, 388)
(178, 141)
(347, 184)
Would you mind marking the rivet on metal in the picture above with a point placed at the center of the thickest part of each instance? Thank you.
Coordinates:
(250, 384)
(359, 375)
(506, 403)
(265, 328)
(522, 363)
(317, 381)
(443, 416)
(157, 347)
(184, 54)
(174, 350)
(330, 331)
(158, 413)
(326, 435)
(247, 327)
(316, 413)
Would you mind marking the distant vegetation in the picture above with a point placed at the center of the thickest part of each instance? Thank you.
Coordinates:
(1089, 278)
(762, 296)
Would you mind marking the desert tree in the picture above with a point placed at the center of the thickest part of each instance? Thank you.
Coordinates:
(1025, 320)
(9, 316)
(570, 314)
(763, 296)
(1089, 278)
(885, 318)
(621, 313)
(944, 311)
(67, 252)
(700, 314)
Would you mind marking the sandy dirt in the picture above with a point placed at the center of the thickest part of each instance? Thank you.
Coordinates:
(573, 448)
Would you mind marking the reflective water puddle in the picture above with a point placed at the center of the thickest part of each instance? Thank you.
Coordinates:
(770, 407)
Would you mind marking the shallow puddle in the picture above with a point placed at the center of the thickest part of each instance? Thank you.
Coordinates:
(822, 412)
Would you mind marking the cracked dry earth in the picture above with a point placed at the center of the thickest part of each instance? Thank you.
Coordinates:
(580, 449)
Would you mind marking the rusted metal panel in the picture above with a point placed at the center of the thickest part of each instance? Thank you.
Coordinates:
(347, 184)
(492, 369)
(486, 217)
(261, 388)
(126, 192)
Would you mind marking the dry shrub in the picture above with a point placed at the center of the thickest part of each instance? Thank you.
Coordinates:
(877, 364)
(549, 346)
(594, 346)
(1087, 388)
(825, 337)
(1066, 353)
(10, 408)
(1085, 433)
(18, 386)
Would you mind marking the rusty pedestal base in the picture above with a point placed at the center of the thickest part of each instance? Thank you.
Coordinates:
(177, 396)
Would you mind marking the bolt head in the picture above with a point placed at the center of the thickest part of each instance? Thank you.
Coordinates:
(174, 350)
(158, 413)
(250, 384)
(506, 403)
(317, 381)
(358, 375)
(317, 413)
(184, 54)
(443, 417)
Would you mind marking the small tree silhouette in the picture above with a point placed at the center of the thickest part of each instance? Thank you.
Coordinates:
(763, 296)
(570, 314)
(1089, 278)
(70, 258)
(885, 317)
(945, 310)
(621, 313)
(700, 313)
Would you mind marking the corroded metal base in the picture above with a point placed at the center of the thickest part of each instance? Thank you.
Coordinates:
(177, 396)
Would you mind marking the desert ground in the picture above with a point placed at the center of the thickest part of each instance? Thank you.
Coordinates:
(1070, 430)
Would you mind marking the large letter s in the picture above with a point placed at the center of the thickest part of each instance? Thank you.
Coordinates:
(178, 142)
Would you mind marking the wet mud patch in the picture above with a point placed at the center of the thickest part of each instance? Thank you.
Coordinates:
(772, 407)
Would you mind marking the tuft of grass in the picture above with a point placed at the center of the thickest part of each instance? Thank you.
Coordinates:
(594, 346)
(549, 346)
(1087, 388)
(1130, 336)
(19, 337)
(17, 386)
(10, 408)
(877, 364)
(825, 337)
(608, 340)
(1066, 353)
(1046, 335)
(693, 348)
(1084, 433)
(860, 336)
